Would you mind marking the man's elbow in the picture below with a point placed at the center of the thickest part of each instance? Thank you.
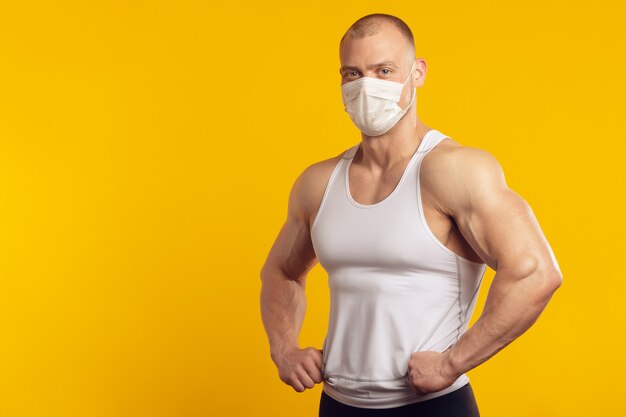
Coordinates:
(276, 273)
(554, 280)
(551, 280)
(546, 276)
(538, 269)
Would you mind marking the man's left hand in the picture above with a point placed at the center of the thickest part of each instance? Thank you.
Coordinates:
(430, 371)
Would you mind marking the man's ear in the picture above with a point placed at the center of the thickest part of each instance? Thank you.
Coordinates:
(420, 72)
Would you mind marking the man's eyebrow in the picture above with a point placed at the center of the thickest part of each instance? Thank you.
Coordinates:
(380, 64)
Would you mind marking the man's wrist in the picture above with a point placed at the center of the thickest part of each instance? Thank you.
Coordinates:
(452, 366)
(277, 350)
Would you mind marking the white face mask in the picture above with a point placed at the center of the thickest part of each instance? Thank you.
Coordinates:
(372, 103)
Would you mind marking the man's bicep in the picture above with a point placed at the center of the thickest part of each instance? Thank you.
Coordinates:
(496, 221)
(499, 228)
(292, 250)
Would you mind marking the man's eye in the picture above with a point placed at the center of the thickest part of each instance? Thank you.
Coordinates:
(385, 69)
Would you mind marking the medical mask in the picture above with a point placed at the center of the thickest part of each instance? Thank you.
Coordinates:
(372, 103)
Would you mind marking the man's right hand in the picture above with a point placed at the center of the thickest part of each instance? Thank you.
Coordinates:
(300, 368)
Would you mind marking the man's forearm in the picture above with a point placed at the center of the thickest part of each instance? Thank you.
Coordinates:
(512, 306)
(283, 304)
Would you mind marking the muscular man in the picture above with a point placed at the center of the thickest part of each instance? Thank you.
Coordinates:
(405, 223)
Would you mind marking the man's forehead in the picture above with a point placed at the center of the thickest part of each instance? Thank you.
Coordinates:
(384, 46)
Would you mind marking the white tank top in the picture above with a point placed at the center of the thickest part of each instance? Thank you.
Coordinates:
(394, 288)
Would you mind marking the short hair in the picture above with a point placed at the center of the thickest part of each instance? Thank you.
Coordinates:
(372, 24)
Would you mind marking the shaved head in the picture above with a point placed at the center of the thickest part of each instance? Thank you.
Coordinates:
(373, 23)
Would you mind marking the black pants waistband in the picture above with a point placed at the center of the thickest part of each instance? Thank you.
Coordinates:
(458, 403)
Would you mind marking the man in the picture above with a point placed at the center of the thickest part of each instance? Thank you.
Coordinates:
(405, 223)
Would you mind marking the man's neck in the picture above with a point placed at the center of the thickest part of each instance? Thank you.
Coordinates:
(398, 144)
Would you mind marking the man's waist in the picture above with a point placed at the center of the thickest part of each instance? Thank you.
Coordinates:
(384, 393)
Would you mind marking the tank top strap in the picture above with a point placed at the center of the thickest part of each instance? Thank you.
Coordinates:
(431, 139)
(350, 152)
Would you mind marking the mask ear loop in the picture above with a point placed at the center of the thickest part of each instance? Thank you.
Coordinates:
(409, 76)
(412, 100)
(414, 92)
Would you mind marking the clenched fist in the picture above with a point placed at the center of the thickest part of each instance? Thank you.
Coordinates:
(430, 371)
(300, 368)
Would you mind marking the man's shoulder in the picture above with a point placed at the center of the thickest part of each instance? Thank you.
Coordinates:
(318, 173)
(450, 160)
(310, 185)
(455, 174)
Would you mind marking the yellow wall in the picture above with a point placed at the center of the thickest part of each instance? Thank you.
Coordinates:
(146, 154)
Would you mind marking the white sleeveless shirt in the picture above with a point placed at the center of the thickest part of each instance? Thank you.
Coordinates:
(394, 288)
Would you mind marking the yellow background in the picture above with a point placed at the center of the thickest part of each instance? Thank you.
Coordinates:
(147, 150)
